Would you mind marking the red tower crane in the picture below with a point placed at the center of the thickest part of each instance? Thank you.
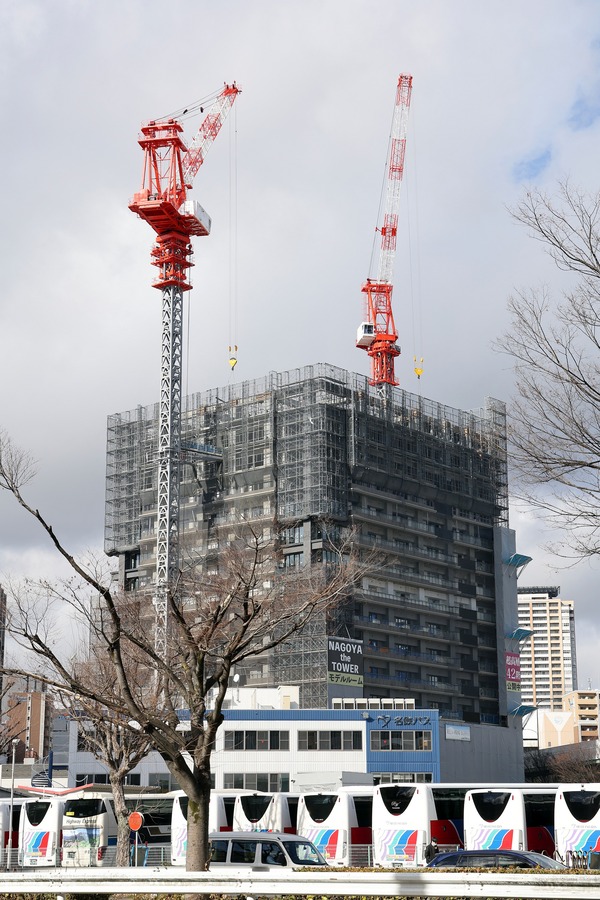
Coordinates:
(378, 335)
(168, 174)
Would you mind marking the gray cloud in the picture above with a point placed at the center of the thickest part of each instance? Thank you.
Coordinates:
(495, 84)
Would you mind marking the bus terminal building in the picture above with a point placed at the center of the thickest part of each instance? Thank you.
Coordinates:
(301, 749)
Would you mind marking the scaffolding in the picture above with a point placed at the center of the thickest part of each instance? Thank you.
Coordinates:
(320, 444)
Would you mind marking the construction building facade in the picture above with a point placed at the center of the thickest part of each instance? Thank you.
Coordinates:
(310, 454)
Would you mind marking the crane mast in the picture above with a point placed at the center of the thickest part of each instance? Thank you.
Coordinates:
(168, 172)
(378, 335)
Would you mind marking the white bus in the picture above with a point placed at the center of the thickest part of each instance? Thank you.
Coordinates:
(266, 812)
(405, 820)
(577, 820)
(153, 840)
(338, 824)
(40, 831)
(9, 830)
(89, 830)
(510, 819)
(220, 818)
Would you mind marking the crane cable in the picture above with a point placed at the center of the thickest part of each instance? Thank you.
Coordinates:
(193, 109)
(233, 243)
(415, 261)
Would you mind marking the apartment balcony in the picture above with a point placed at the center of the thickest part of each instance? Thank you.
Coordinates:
(430, 659)
(410, 682)
(405, 599)
(441, 634)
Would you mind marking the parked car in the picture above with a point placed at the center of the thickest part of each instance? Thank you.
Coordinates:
(494, 859)
(263, 849)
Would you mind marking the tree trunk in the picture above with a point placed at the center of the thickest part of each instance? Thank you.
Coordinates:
(198, 854)
(122, 816)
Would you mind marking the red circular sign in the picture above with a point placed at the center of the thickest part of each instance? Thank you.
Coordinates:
(136, 820)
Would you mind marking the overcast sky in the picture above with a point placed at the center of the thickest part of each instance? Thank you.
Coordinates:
(505, 94)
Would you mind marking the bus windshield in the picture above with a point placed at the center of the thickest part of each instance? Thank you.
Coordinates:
(583, 805)
(85, 808)
(36, 811)
(255, 806)
(396, 798)
(491, 804)
(319, 806)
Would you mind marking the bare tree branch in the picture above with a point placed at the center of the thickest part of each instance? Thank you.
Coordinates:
(554, 429)
(221, 612)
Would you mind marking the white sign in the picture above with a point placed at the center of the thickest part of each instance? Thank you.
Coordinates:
(458, 733)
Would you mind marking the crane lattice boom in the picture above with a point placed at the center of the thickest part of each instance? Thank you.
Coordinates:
(378, 335)
(168, 173)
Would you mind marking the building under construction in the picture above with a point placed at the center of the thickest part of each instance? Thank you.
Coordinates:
(315, 451)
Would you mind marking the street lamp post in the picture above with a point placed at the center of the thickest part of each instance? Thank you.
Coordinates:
(14, 743)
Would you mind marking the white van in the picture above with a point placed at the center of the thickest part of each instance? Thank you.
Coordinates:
(263, 850)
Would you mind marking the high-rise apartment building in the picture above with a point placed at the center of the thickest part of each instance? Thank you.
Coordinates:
(585, 707)
(548, 657)
(310, 453)
(29, 718)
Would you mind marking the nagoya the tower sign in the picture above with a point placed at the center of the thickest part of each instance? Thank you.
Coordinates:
(345, 662)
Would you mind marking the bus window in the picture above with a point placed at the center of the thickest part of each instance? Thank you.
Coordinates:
(36, 811)
(255, 806)
(84, 808)
(319, 806)
(490, 804)
(583, 805)
(396, 798)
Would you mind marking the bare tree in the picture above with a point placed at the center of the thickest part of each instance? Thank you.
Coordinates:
(577, 764)
(239, 606)
(109, 736)
(538, 766)
(555, 427)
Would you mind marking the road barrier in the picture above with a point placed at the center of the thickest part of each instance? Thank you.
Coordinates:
(257, 883)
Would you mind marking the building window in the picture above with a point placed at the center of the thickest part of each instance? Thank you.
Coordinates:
(401, 740)
(292, 535)
(293, 559)
(93, 778)
(256, 740)
(402, 777)
(329, 740)
(258, 781)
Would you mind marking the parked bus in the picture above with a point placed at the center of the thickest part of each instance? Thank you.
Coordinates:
(89, 830)
(339, 824)
(406, 816)
(266, 812)
(153, 840)
(577, 820)
(9, 830)
(510, 819)
(40, 831)
(220, 818)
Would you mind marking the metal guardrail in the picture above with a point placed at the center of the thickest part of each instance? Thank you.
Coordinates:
(330, 883)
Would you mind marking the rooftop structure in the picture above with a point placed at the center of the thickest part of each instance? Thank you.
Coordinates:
(310, 453)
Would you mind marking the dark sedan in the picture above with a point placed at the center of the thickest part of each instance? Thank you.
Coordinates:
(495, 859)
